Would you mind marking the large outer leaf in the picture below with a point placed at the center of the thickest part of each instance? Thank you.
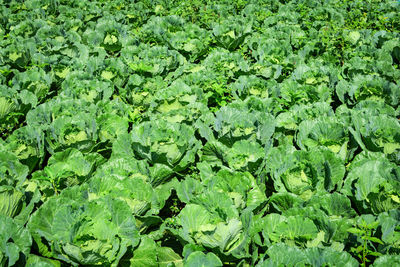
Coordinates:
(389, 222)
(27, 143)
(304, 172)
(327, 132)
(281, 254)
(377, 132)
(374, 183)
(280, 228)
(231, 33)
(170, 144)
(199, 259)
(167, 257)
(17, 196)
(201, 226)
(83, 231)
(10, 201)
(14, 239)
(144, 255)
(12, 172)
(386, 259)
(36, 261)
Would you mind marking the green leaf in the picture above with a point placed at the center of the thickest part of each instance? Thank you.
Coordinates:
(387, 260)
(107, 75)
(374, 239)
(355, 231)
(199, 259)
(144, 255)
(14, 239)
(37, 261)
(354, 36)
(167, 257)
(376, 254)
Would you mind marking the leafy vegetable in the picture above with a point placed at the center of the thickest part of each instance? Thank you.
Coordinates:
(199, 133)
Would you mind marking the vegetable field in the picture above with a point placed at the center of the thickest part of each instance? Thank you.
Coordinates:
(199, 133)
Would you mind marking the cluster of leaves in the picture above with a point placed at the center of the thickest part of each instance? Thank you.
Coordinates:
(199, 133)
